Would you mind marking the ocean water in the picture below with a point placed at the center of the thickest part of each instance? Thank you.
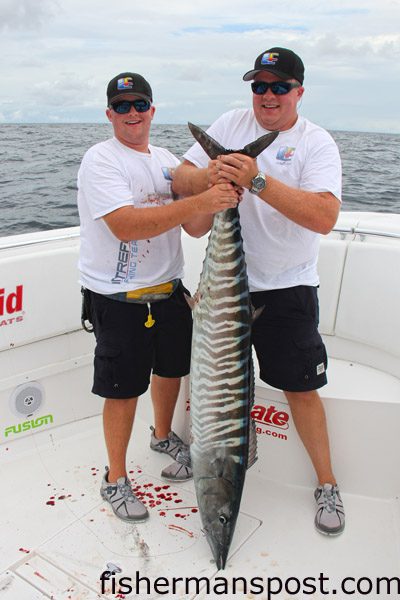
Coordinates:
(39, 165)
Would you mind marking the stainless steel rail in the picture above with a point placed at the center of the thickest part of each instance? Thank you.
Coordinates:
(75, 234)
(364, 232)
(376, 232)
(39, 240)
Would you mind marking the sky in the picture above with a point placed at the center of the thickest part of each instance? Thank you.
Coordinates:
(57, 57)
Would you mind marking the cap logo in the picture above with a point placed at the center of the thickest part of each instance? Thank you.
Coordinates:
(126, 83)
(269, 58)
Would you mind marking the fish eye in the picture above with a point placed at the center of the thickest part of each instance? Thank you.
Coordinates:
(222, 519)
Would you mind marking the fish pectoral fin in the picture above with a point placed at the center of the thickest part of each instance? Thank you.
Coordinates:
(256, 312)
(190, 300)
(219, 467)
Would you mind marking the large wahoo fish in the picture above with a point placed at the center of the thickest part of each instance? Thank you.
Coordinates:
(222, 380)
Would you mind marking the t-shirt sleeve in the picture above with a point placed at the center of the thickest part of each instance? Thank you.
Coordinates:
(322, 171)
(103, 183)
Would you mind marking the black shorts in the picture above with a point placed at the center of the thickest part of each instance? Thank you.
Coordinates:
(289, 348)
(127, 352)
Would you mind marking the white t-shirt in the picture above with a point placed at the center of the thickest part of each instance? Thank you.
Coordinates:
(111, 176)
(279, 253)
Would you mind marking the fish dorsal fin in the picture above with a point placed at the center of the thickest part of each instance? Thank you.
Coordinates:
(252, 451)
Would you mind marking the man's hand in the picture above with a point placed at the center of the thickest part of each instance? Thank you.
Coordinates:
(218, 197)
(214, 175)
(238, 168)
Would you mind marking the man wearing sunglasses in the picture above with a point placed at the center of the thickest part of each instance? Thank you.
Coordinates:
(292, 194)
(131, 264)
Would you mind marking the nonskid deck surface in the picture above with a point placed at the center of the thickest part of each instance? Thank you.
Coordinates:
(58, 536)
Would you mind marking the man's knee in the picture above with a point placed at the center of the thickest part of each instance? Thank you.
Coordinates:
(307, 398)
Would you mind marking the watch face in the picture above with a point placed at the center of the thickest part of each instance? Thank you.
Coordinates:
(258, 183)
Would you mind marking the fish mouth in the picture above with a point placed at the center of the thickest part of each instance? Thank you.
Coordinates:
(220, 541)
(221, 561)
(220, 552)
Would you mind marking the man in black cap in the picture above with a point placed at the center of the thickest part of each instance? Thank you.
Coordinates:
(292, 194)
(131, 265)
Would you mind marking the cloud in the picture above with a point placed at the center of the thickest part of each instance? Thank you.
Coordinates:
(240, 28)
(68, 89)
(195, 54)
(26, 14)
(237, 104)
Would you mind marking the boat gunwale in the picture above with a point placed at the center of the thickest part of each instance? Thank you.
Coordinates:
(75, 234)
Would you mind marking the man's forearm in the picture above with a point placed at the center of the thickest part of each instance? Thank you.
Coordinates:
(189, 180)
(317, 211)
(131, 223)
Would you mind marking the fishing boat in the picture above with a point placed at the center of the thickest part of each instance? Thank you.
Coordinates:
(60, 540)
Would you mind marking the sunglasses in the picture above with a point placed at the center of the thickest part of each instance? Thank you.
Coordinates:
(124, 106)
(279, 88)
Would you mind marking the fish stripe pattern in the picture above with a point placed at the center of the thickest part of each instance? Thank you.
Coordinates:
(221, 352)
(222, 378)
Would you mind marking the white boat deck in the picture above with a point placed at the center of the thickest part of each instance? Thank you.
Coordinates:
(59, 536)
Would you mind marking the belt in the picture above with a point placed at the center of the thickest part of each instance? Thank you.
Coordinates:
(145, 295)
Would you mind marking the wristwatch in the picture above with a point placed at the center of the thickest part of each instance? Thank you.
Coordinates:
(258, 183)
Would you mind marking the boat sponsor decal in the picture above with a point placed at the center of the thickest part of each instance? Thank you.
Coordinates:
(285, 153)
(125, 83)
(268, 419)
(11, 306)
(27, 425)
(269, 58)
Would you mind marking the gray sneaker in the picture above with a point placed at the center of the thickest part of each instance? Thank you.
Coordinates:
(330, 518)
(122, 499)
(180, 469)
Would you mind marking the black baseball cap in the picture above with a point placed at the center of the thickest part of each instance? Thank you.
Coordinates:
(128, 83)
(281, 61)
